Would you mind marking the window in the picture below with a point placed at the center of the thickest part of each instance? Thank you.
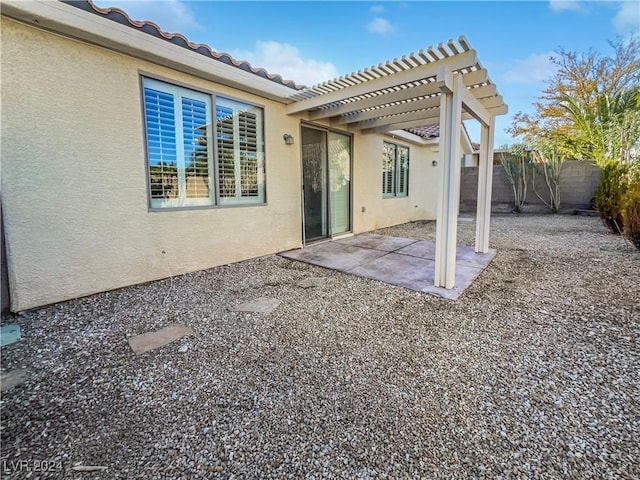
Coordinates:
(240, 153)
(184, 169)
(395, 170)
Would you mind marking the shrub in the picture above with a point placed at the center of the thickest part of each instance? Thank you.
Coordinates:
(609, 195)
(631, 212)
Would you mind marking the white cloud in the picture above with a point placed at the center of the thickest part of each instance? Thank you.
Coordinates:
(377, 9)
(627, 20)
(534, 69)
(286, 60)
(565, 5)
(380, 26)
(173, 16)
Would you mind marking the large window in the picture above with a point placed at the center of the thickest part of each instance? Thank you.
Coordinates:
(184, 168)
(395, 170)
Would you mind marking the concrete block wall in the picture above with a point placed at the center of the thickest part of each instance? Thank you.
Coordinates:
(578, 183)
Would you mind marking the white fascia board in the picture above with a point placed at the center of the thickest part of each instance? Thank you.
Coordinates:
(76, 23)
(467, 145)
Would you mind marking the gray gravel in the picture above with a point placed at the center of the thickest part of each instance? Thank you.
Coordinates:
(533, 373)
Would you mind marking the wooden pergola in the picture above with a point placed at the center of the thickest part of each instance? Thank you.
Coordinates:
(444, 85)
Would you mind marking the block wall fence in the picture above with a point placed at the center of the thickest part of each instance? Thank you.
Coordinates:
(578, 183)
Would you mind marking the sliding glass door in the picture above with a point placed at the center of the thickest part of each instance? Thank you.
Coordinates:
(314, 184)
(340, 182)
(326, 182)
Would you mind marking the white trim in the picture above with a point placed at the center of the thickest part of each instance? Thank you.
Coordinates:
(467, 144)
(449, 192)
(411, 137)
(485, 180)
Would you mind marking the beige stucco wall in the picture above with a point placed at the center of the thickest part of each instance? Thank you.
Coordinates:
(74, 183)
(381, 212)
(74, 177)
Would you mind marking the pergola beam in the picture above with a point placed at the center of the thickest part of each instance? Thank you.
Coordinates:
(475, 107)
(400, 108)
(486, 95)
(429, 117)
(456, 62)
(476, 77)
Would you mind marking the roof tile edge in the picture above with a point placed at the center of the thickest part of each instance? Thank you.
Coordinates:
(120, 16)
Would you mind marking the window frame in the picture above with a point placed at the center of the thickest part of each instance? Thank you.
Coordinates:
(146, 79)
(399, 190)
(261, 164)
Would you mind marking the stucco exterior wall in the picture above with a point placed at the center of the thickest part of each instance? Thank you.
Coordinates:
(380, 212)
(74, 177)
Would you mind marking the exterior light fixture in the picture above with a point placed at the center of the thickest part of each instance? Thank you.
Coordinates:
(288, 139)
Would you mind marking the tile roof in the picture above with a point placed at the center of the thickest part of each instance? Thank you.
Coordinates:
(428, 131)
(433, 131)
(120, 16)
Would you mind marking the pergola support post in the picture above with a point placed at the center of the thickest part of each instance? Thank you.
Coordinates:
(485, 181)
(449, 191)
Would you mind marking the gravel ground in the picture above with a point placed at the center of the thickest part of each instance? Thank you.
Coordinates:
(533, 373)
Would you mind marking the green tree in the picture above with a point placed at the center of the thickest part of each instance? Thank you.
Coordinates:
(580, 97)
(609, 128)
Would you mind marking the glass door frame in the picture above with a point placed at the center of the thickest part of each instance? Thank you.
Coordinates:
(330, 234)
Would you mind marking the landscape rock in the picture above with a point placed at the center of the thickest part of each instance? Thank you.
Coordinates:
(531, 373)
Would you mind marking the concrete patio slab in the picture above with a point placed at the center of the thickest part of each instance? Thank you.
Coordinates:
(468, 256)
(148, 341)
(377, 242)
(465, 255)
(422, 249)
(465, 275)
(403, 262)
(334, 255)
(402, 270)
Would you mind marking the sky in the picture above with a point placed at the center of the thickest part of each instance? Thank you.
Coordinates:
(313, 41)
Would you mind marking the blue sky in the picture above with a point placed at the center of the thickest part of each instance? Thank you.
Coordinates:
(311, 41)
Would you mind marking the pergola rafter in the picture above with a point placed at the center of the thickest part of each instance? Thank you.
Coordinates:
(426, 88)
(444, 85)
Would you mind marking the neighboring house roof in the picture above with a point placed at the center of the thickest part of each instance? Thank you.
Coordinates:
(120, 16)
(432, 132)
(428, 131)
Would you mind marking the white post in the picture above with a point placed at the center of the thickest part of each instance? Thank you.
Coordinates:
(485, 180)
(449, 192)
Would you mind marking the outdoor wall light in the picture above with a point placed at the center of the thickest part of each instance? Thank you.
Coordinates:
(434, 163)
(288, 139)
